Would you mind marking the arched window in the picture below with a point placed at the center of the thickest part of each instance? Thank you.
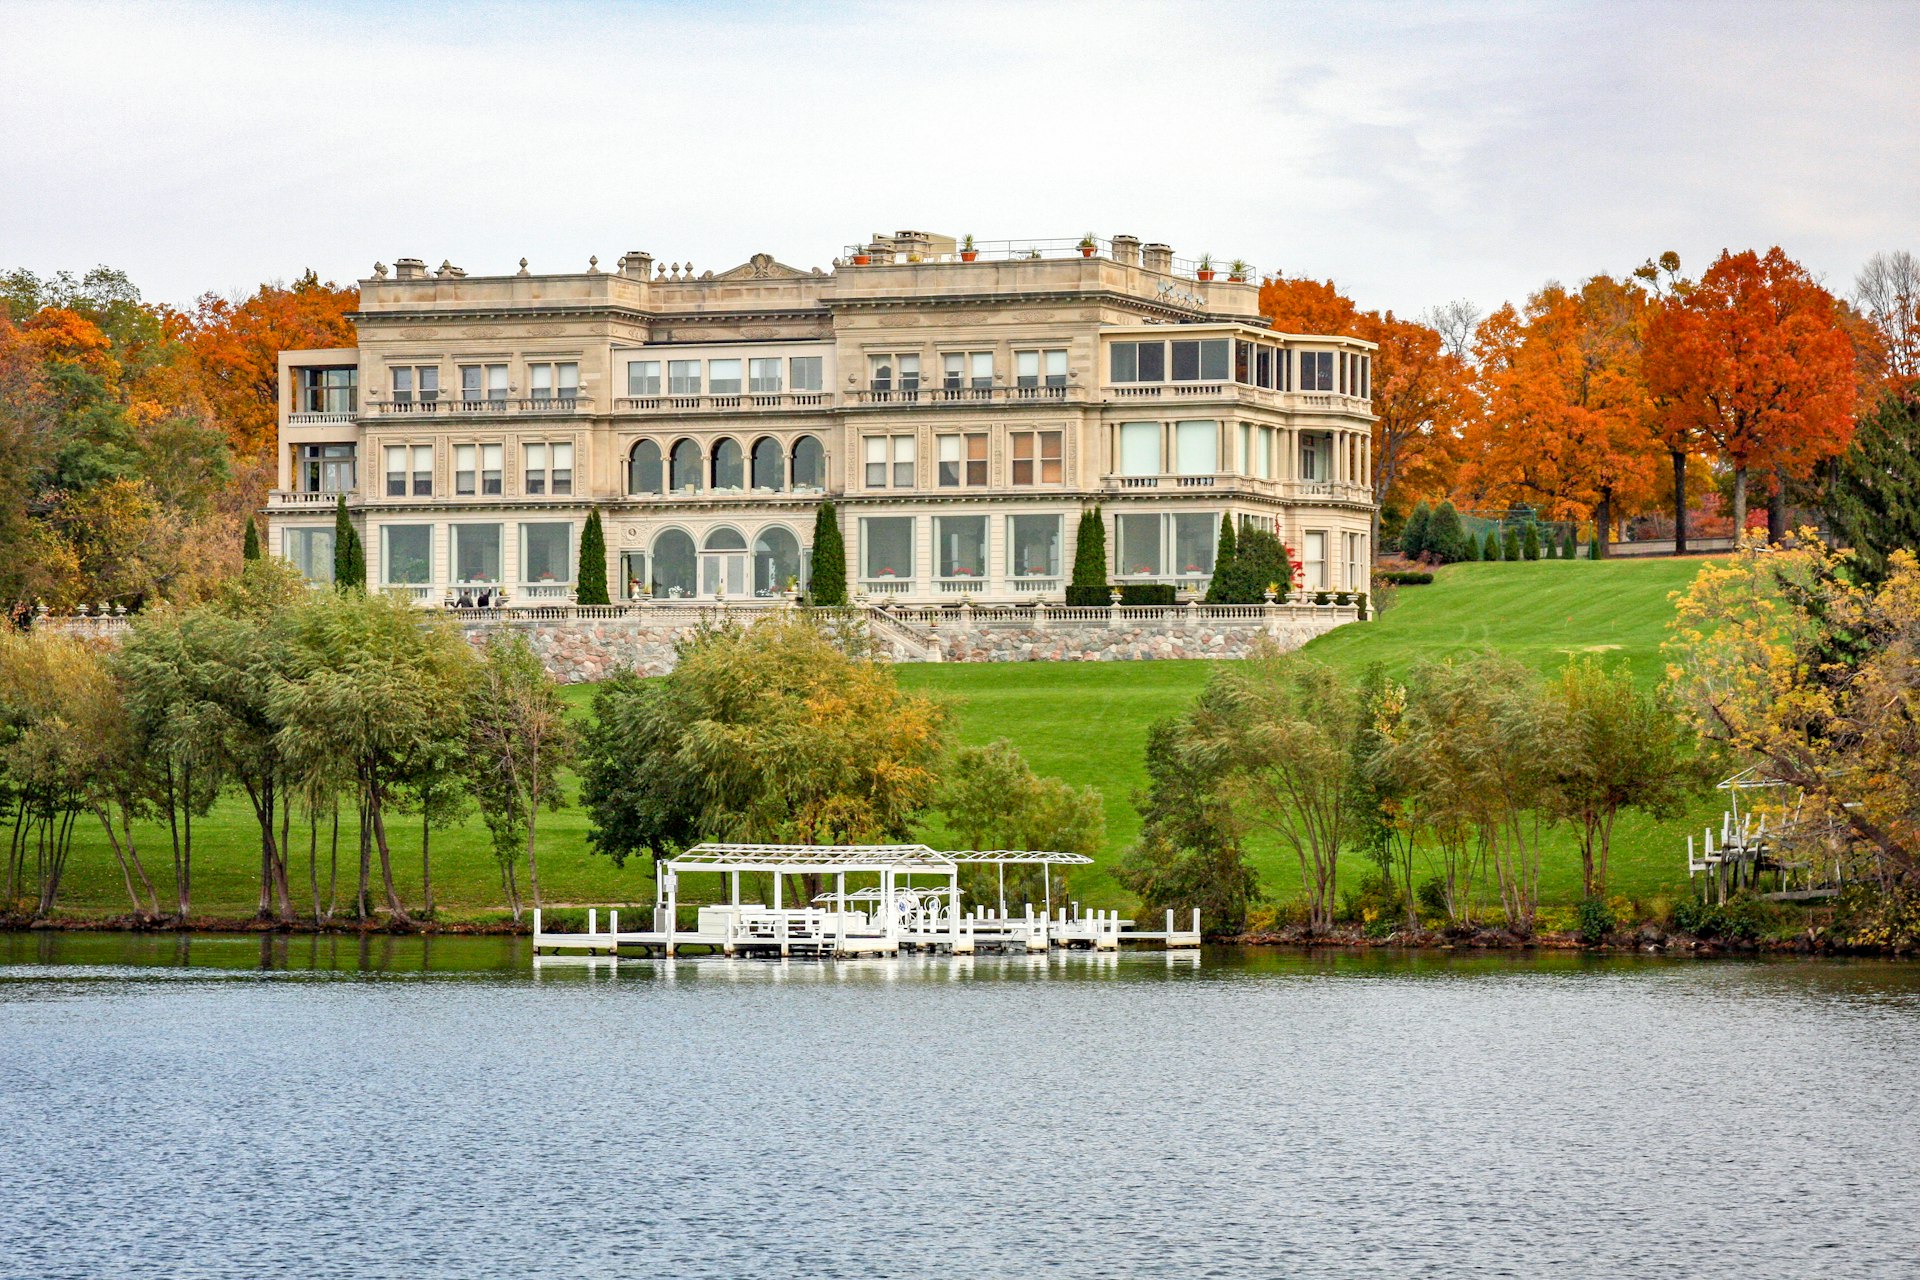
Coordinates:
(725, 538)
(685, 465)
(809, 464)
(776, 560)
(769, 464)
(729, 470)
(673, 564)
(643, 468)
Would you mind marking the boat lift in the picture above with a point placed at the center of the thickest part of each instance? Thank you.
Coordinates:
(912, 903)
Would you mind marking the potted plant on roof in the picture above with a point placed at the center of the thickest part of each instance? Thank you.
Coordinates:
(861, 257)
(1237, 271)
(1087, 245)
(1205, 271)
(967, 252)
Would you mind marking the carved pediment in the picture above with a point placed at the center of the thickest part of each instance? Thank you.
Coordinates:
(760, 266)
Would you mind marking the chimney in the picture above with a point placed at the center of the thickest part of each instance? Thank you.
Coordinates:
(1126, 250)
(409, 269)
(1157, 257)
(637, 264)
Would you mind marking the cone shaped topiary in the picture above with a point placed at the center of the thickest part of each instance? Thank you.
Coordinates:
(349, 557)
(1088, 587)
(1490, 550)
(1510, 545)
(1593, 548)
(250, 549)
(1530, 548)
(1445, 538)
(1569, 549)
(1223, 557)
(591, 584)
(827, 569)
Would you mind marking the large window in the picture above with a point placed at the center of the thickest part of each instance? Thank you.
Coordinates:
(963, 460)
(683, 377)
(763, 375)
(326, 468)
(684, 464)
(477, 465)
(1033, 546)
(409, 470)
(1196, 448)
(550, 382)
(1036, 456)
(1201, 360)
(889, 462)
(415, 383)
(809, 464)
(643, 468)
(1314, 560)
(329, 390)
(886, 547)
(1139, 448)
(777, 562)
(1316, 453)
(806, 373)
(1138, 539)
(483, 384)
(674, 564)
(769, 464)
(971, 370)
(894, 372)
(961, 543)
(729, 465)
(723, 563)
(1356, 562)
(476, 553)
(1316, 370)
(1193, 539)
(549, 468)
(545, 553)
(723, 377)
(310, 551)
(1137, 362)
(406, 552)
(643, 377)
(633, 573)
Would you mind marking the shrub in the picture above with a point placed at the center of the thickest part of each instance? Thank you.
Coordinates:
(1376, 906)
(1404, 577)
(1224, 552)
(1593, 547)
(1259, 559)
(1491, 551)
(1144, 593)
(1530, 548)
(1569, 548)
(1741, 920)
(1510, 545)
(1432, 896)
(1413, 535)
(1594, 920)
(1088, 587)
(1446, 540)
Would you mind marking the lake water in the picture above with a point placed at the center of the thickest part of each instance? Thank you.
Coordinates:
(306, 1107)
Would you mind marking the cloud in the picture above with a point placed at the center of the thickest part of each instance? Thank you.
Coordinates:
(1413, 152)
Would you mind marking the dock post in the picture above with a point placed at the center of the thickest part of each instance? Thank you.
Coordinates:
(1169, 924)
(1196, 921)
(593, 927)
(613, 932)
(536, 931)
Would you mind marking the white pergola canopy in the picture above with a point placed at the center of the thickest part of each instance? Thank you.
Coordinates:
(837, 859)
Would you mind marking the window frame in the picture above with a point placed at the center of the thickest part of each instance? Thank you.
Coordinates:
(1037, 460)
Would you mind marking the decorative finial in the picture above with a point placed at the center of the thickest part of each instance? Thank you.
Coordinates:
(593, 264)
(380, 270)
(523, 266)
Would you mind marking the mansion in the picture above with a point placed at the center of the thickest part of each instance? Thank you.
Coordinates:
(961, 405)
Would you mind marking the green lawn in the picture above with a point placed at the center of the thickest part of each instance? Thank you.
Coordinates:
(1085, 722)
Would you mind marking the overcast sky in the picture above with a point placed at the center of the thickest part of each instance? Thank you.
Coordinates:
(1414, 152)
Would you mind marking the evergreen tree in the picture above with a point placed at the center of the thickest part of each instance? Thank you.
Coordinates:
(250, 549)
(1088, 588)
(1873, 498)
(1473, 546)
(592, 574)
(1413, 535)
(1510, 545)
(349, 558)
(1569, 549)
(1223, 557)
(1445, 538)
(1260, 560)
(1491, 550)
(1594, 551)
(1531, 547)
(827, 584)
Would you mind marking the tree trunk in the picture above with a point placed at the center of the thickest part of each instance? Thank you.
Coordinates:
(1739, 504)
(313, 862)
(1777, 509)
(1602, 521)
(426, 858)
(1679, 502)
(533, 817)
(186, 843)
(398, 912)
(363, 897)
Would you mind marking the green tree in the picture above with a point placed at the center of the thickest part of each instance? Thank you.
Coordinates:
(827, 574)
(250, 549)
(1569, 546)
(592, 576)
(1472, 541)
(1413, 534)
(1444, 537)
(1260, 560)
(1492, 549)
(1626, 751)
(349, 558)
(1596, 548)
(1510, 545)
(517, 740)
(1873, 496)
(1530, 548)
(1088, 586)
(1223, 557)
(990, 798)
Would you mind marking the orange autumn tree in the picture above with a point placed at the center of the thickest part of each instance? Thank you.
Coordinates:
(1568, 426)
(237, 345)
(1421, 392)
(1755, 361)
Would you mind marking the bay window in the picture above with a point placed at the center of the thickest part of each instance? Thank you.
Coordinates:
(1196, 448)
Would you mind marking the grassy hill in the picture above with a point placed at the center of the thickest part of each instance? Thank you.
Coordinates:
(1085, 722)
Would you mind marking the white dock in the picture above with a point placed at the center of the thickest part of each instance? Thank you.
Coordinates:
(892, 916)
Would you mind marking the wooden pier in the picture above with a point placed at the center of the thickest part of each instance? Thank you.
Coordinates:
(899, 912)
